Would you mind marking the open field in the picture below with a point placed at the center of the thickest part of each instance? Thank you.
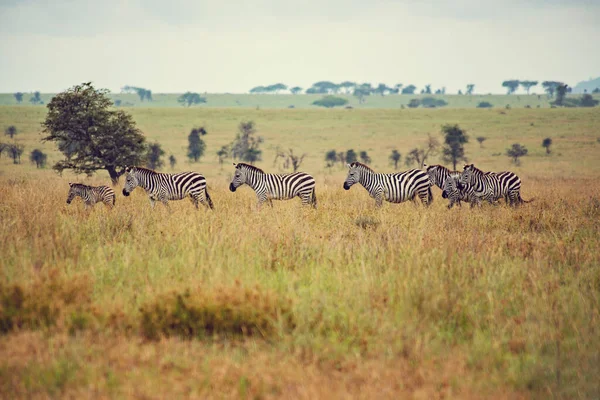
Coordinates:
(243, 100)
(343, 301)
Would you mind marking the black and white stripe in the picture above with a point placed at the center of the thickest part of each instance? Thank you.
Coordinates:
(164, 187)
(91, 194)
(492, 186)
(270, 187)
(448, 181)
(395, 188)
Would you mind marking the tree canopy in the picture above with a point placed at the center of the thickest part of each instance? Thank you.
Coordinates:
(90, 134)
(330, 102)
(454, 140)
(511, 85)
(189, 99)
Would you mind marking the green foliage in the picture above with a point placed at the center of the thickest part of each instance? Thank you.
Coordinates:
(296, 90)
(38, 158)
(196, 145)
(484, 104)
(91, 135)
(470, 88)
(527, 85)
(414, 103)
(154, 156)
(547, 143)
(223, 153)
(587, 100)
(550, 87)
(172, 161)
(515, 152)
(323, 87)
(144, 94)
(226, 311)
(454, 140)
(351, 156)
(330, 102)
(331, 158)
(362, 91)
(481, 139)
(189, 99)
(395, 157)
(36, 98)
(432, 102)
(246, 145)
(410, 89)
(561, 93)
(18, 97)
(511, 86)
(14, 151)
(11, 131)
(364, 157)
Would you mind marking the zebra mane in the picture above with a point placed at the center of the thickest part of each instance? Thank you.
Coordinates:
(359, 164)
(475, 169)
(146, 170)
(438, 166)
(78, 185)
(250, 167)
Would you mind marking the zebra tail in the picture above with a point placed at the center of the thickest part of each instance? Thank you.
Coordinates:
(313, 199)
(209, 200)
(429, 195)
(526, 201)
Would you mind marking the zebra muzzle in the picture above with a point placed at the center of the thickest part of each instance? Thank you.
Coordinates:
(125, 192)
(231, 187)
(346, 186)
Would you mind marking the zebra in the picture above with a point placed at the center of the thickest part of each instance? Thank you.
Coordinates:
(91, 194)
(492, 186)
(270, 187)
(395, 188)
(165, 187)
(447, 180)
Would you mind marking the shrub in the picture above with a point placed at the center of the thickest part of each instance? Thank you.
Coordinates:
(485, 104)
(229, 311)
(432, 102)
(414, 103)
(330, 102)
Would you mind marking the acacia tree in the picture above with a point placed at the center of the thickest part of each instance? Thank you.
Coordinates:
(527, 85)
(11, 131)
(246, 146)
(154, 156)
(189, 99)
(515, 152)
(289, 159)
(38, 158)
(15, 151)
(196, 145)
(331, 158)
(351, 156)
(364, 157)
(92, 135)
(419, 154)
(547, 143)
(18, 97)
(481, 139)
(172, 161)
(511, 86)
(470, 88)
(296, 90)
(395, 158)
(36, 98)
(454, 140)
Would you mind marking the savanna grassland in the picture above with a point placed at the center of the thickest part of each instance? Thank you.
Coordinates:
(346, 301)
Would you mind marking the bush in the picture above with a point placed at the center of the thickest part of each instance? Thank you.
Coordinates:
(588, 101)
(229, 311)
(414, 103)
(485, 104)
(330, 102)
(432, 102)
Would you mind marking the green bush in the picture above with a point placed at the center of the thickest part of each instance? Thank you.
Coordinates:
(432, 102)
(330, 102)
(485, 104)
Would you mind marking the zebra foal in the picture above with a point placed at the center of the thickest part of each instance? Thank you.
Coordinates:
(492, 186)
(164, 187)
(395, 188)
(269, 187)
(91, 194)
(448, 181)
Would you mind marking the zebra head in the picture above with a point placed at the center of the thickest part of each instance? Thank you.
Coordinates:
(73, 192)
(433, 175)
(239, 177)
(467, 176)
(131, 180)
(353, 175)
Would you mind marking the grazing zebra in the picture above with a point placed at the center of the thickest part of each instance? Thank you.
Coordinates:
(447, 180)
(395, 188)
(165, 187)
(492, 186)
(91, 194)
(270, 187)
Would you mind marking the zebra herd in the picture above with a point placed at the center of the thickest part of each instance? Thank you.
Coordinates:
(472, 185)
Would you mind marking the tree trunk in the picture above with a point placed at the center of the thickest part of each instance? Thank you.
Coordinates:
(454, 164)
(114, 175)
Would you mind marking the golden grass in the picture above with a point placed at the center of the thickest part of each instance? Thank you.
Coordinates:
(402, 301)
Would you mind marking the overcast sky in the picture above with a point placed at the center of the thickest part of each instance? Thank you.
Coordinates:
(231, 46)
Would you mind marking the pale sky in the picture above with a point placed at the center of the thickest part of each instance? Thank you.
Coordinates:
(219, 46)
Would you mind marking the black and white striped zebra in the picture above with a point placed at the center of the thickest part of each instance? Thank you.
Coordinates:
(395, 187)
(492, 186)
(91, 194)
(164, 187)
(270, 187)
(448, 181)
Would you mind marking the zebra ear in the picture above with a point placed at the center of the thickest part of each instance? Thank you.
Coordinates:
(128, 169)
(349, 166)
(70, 184)
(234, 164)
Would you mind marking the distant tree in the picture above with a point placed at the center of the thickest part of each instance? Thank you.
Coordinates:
(144, 94)
(550, 87)
(561, 93)
(246, 145)
(11, 131)
(419, 155)
(410, 89)
(290, 159)
(18, 97)
(330, 102)
(470, 88)
(414, 103)
(189, 99)
(331, 158)
(397, 88)
(515, 152)
(484, 104)
(597, 90)
(547, 143)
(324, 87)
(454, 140)
(481, 139)
(118, 103)
(361, 92)
(364, 157)
(587, 100)
(460, 92)
(258, 89)
(154, 156)
(38, 158)
(91, 134)
(223, 153)
(15, 151)
(276, 87)
(172, 161)
(527, 85)
(351, 156)
(196, 145)
(511, 85)
(432, 102)
(347, 86)
(427, 89)
(36, 98)
(341, 156)
(395, 158)
(381, 89)
(296, 90)
(3, 148)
